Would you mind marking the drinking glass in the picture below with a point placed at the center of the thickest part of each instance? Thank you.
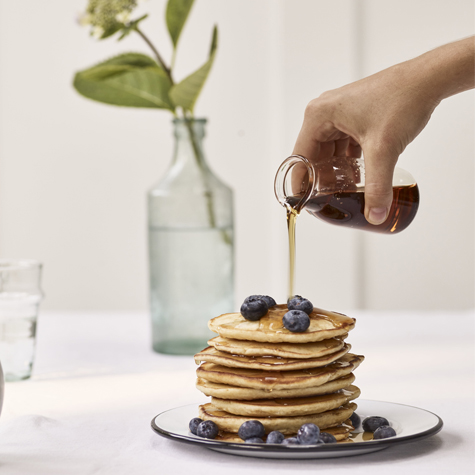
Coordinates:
(20, 296)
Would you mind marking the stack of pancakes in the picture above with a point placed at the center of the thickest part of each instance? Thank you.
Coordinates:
(262, 371)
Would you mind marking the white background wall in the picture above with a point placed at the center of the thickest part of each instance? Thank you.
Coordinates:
(73, 173)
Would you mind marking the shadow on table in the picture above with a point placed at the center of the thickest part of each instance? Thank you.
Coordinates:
(403, 452)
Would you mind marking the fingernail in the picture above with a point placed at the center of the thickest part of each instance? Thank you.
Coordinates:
(377, 215)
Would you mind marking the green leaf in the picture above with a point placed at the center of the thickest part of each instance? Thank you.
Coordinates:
(185, 93)
(111, 30)
(130, 80)
(130, 27)
(176, 15)
(214, 41)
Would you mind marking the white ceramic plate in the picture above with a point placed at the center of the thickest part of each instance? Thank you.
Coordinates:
(410, 424)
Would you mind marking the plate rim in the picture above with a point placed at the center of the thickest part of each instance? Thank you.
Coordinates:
(355, 446)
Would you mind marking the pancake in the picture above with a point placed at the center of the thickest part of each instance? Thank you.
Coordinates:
(284, 350)
(287, 425)
(225, 391)
(268, 363)
(323, 326)
(284, 407)
(340, 432)
(259, 379)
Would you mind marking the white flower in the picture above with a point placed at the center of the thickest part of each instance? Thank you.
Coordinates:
(97, 32)
(123, 17)
(84, 19)
(107, 16)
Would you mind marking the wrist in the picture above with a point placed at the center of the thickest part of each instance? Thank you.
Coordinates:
(446, 70)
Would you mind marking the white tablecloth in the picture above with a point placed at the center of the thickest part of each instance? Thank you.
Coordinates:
(97, 385)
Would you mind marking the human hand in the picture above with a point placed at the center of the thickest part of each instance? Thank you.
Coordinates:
(382, 114)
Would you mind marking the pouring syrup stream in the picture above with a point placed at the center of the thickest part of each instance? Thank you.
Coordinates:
(291, 221)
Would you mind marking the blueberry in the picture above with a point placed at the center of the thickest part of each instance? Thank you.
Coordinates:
(207, 429)
(327, 438)
(299, 303)
(355, 420)
(275, 437)
(370, 424)
(308, 434)
(383, 432)
(253, 308)
(250, 429)
(194, 423)
(290, 441)
(296, 321)
(254, 440)
(294, 297)
(252, 297)
(268, 300)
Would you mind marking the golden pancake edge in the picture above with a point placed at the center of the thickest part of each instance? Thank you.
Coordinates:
(287, 425)
(267, 363)
(284, 350)
(324, 325)
(284, 407)
(259, 379)
(225, 391)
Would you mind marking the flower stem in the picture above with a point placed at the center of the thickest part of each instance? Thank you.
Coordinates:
(208, 194)
(167, 70)
(189, 124)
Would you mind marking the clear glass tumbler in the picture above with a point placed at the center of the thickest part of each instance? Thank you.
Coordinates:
(20, 296)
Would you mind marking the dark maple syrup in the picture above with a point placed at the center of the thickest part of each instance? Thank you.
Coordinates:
(346, 208)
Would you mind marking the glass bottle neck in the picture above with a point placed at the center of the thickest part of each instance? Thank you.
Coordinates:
(189, 134)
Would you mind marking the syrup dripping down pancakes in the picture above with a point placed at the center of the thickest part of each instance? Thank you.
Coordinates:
(259, 370)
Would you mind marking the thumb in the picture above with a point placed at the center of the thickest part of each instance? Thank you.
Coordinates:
(379, 170)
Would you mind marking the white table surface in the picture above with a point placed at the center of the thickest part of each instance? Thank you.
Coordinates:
(97, 385)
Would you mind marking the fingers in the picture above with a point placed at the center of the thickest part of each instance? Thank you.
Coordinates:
(379, 170)
(354, 148)
(307, 144)
(318, 130)
(341, 147)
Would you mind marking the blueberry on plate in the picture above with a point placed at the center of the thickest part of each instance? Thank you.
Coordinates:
(290, 441)
(308, 434)
(207, 429)
(296, 321)
(254, 440)
(384, 432)
(327, 438)
(370, 424)
(194, 423)
(299, 303)
(254, 308)
(355, 420)
(250, 429)
(275, 437)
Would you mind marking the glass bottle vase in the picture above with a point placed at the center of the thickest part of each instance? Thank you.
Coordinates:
(191, 246)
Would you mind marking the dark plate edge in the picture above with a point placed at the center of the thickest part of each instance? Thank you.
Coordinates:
(290, 449)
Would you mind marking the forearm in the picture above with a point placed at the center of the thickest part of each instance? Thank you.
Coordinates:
(446, 70)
